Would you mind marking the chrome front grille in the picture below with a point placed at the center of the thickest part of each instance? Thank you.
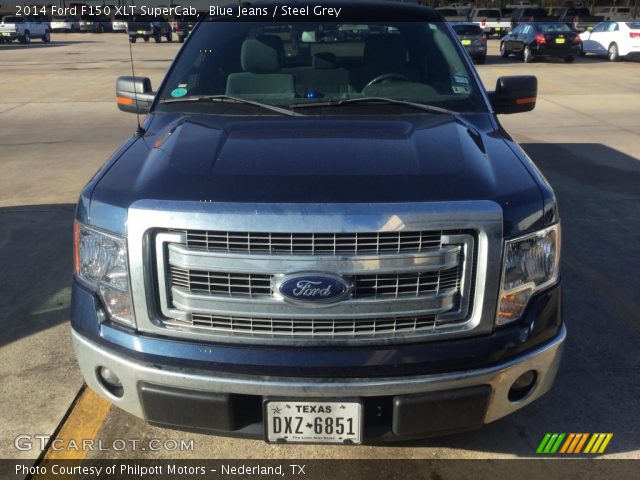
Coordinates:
(313, 243)
(225, 284)
(365, 286)
(315, 328)
(200, 272)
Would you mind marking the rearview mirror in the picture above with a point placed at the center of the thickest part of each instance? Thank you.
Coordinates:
(514, 94)
(133, 94)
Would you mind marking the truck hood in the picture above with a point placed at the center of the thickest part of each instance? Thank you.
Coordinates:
(321, 160)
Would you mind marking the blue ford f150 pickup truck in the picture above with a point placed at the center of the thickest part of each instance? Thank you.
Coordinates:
(320, 233)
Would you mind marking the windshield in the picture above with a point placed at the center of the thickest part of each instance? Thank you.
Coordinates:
(283, 64)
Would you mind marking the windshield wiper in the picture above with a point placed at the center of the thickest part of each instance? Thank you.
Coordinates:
(373, 100)
(230, 99)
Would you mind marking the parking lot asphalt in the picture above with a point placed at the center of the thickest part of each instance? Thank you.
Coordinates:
(59, 123)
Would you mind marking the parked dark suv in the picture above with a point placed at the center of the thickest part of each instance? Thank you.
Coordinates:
(321, 233)
(147, 26)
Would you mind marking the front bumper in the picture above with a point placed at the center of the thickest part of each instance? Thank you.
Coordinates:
(554, 51)
(396, 407)
(9, 35)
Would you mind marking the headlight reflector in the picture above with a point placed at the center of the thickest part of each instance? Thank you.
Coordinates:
(101, 263)
(531, 263)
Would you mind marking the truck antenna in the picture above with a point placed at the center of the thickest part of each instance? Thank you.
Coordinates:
(139, 131)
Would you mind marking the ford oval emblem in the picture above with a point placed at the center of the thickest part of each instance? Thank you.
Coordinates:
(313, 288)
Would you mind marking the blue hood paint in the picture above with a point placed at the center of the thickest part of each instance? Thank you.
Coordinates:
(319, 160)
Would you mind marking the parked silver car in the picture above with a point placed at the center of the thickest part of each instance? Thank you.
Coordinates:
(473, 39)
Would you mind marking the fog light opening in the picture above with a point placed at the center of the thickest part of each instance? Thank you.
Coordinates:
(110, 382)
(523, 386)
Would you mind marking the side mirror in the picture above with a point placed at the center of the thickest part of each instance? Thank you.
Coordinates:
(514, 94)
(133, 94)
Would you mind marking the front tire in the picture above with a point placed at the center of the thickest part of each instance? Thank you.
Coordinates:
(169, 37)
(157, 38)
(181, 38)
(614, 53)
(46, 37)
(26, 38)
(504, 53)
(528, 55)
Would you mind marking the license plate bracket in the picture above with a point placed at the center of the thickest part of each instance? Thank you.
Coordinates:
(313, 421)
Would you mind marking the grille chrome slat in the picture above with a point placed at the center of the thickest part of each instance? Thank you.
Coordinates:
(433, 259)
(309, 328)
(313, 243)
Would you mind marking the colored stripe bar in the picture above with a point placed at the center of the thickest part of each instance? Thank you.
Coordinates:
(582, 442)
(567, 443)
(592, 440)
(605, 443)
(572, 443)
(576, 441)
(556, 446)
(550, 443)
(543, 443)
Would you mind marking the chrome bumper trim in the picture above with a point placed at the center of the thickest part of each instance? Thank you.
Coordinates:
(545, 360)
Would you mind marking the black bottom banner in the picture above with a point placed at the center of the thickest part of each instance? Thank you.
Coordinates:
(523, 469)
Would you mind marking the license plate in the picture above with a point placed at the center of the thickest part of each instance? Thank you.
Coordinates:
(140, 31)
(5, 34)
(313, 422)
(466, 42)
(559, 40)
(497, 29)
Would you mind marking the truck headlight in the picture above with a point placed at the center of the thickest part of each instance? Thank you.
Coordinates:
(101, 264)
(531, 263)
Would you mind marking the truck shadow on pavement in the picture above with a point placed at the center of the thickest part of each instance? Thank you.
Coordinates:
(36, 268)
